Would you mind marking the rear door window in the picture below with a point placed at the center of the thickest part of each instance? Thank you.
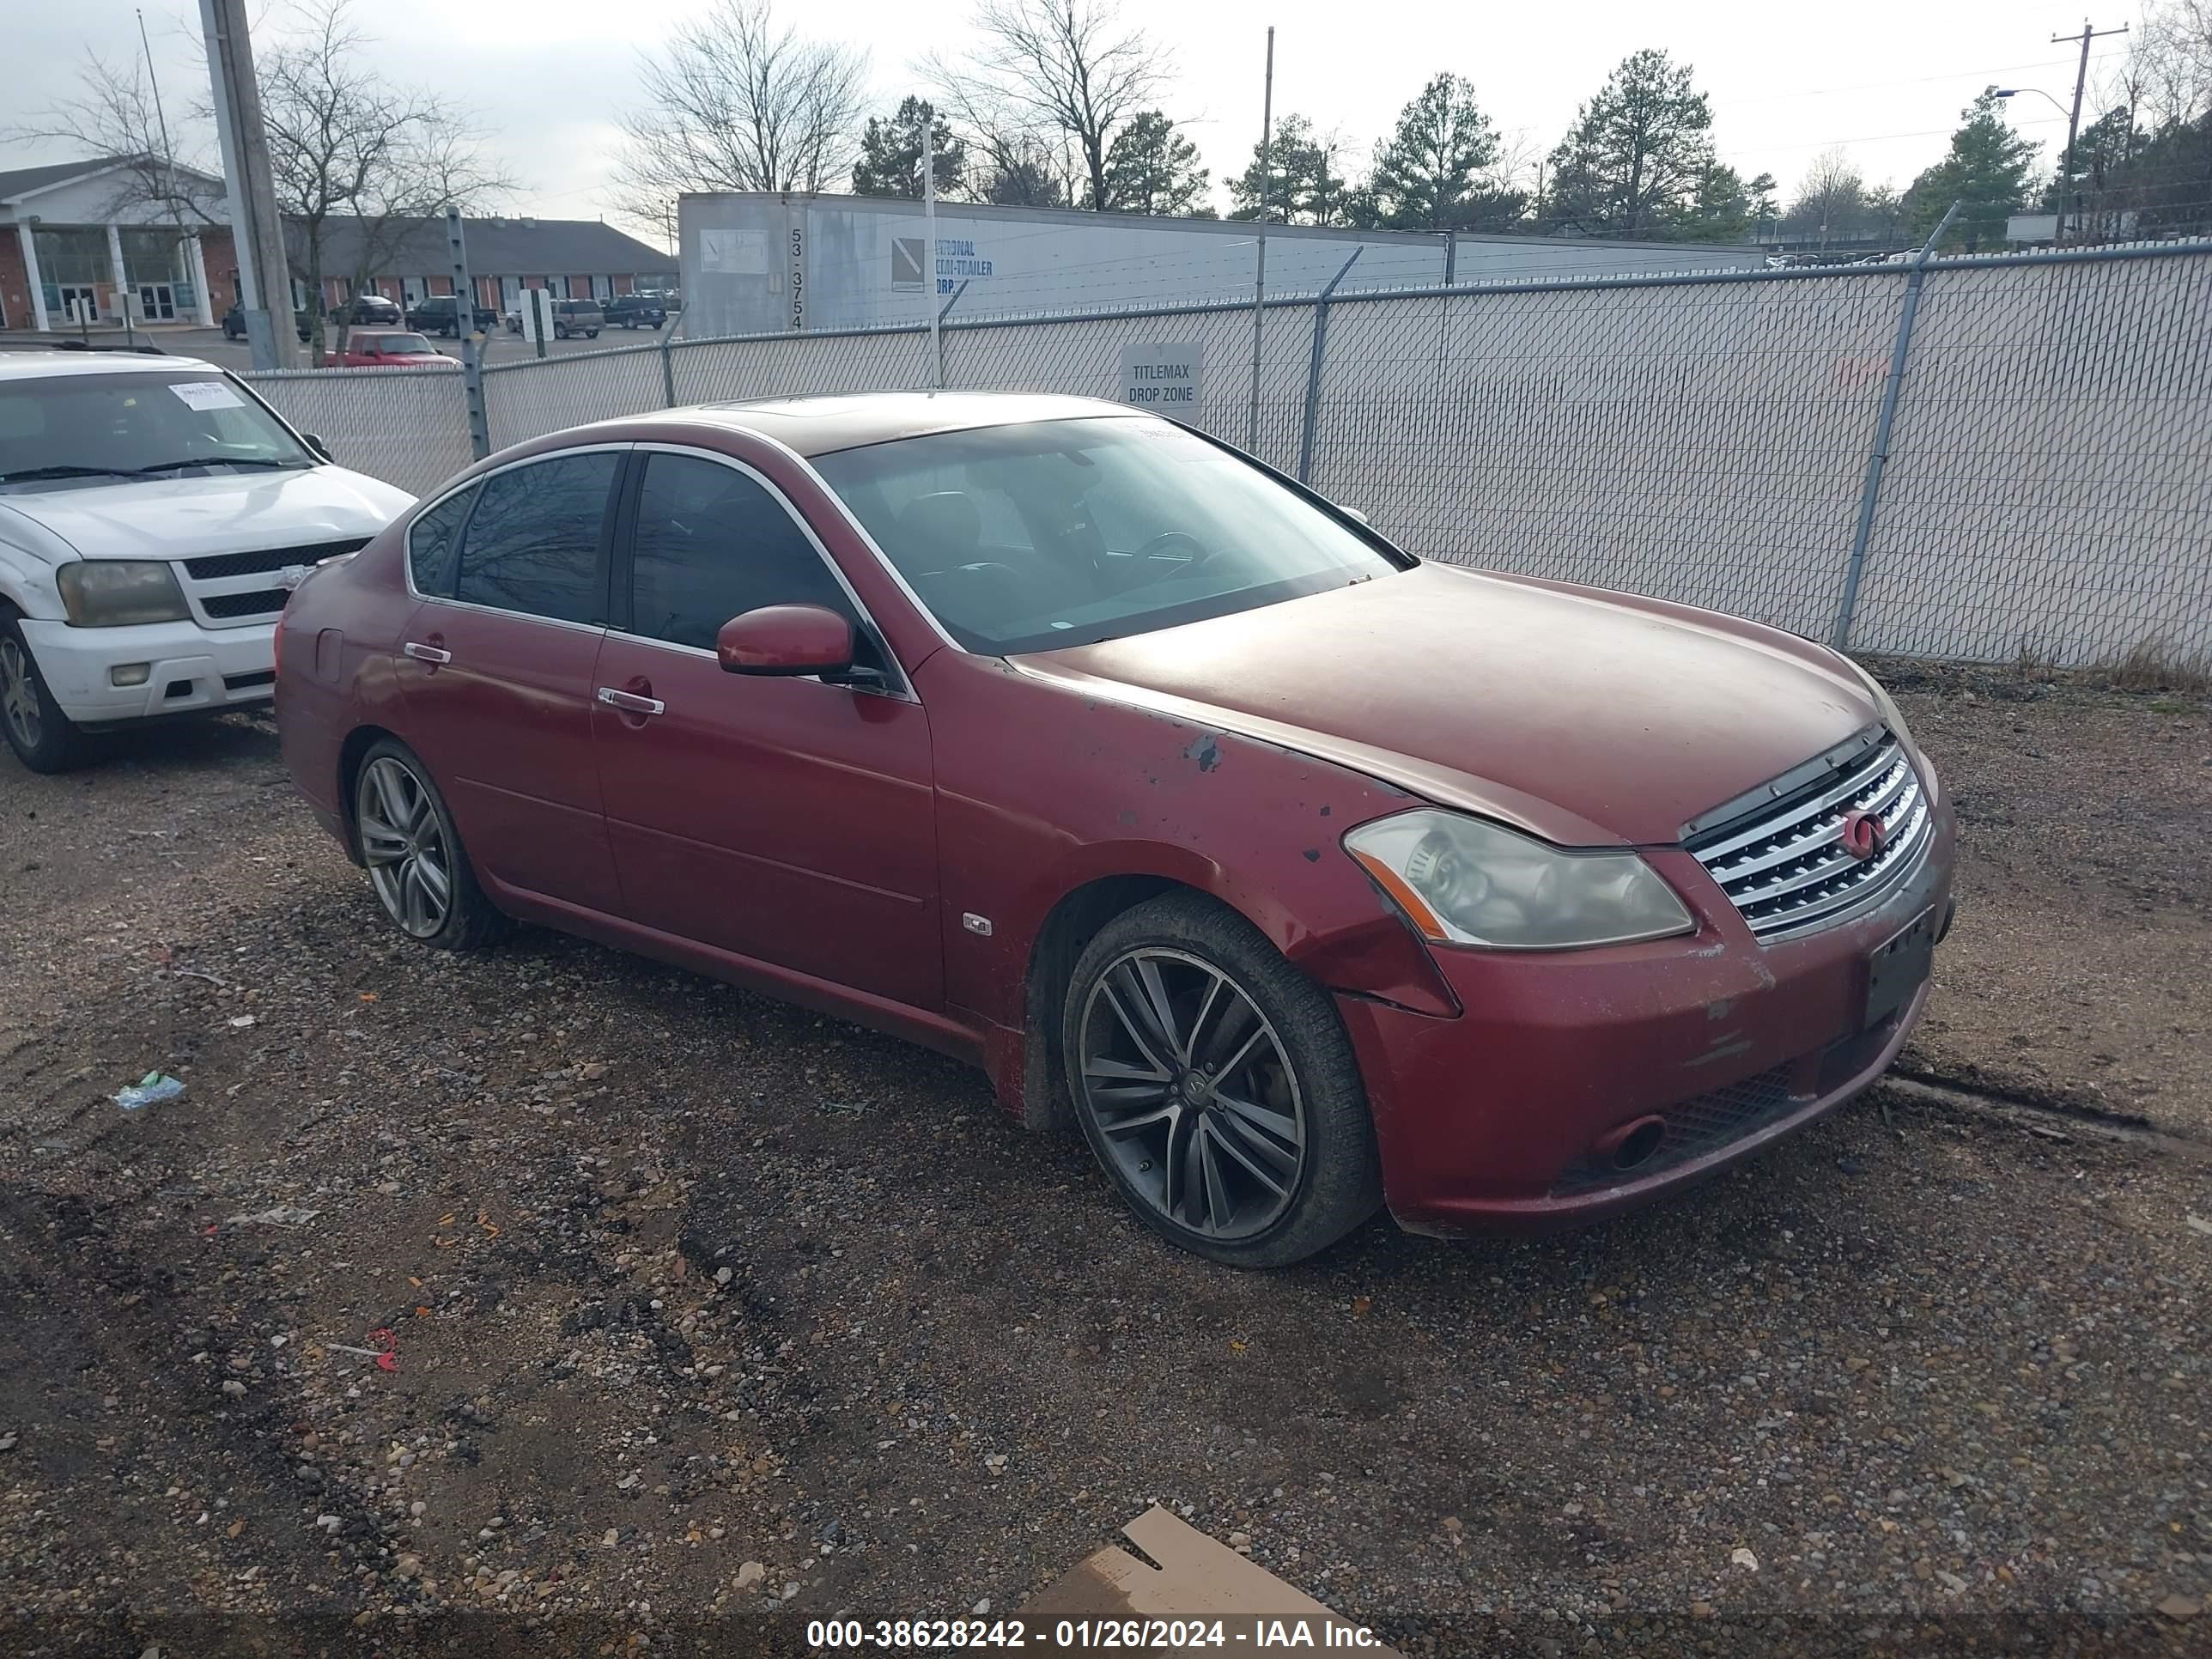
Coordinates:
(432, 542)
(533, 543)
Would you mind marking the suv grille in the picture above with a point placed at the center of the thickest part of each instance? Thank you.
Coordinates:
(1784, 865)
(217, 566)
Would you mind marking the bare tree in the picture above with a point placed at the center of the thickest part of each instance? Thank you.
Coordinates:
(354, 153)
(2168, 76)
(735, 101)
(1831, 199)
(1052, 70)
(113, 114)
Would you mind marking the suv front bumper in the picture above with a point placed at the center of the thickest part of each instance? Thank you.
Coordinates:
(189, 668)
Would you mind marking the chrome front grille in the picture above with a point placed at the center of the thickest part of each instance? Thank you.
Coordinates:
(1783, 864)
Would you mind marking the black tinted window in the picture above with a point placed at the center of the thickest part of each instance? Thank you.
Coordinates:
(533, 545)
(432, 541)
(713, 543)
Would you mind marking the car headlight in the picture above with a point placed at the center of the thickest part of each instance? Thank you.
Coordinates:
(117, 593)
(1463, 881)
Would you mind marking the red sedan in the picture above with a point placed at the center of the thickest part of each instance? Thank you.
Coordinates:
(376, 347)
(1302, 875)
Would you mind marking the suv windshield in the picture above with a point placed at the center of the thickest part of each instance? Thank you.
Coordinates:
(60, 426)
(1055, 533)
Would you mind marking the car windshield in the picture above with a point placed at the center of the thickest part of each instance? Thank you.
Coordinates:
(58, 427)
(1027, 537)
(391, 345)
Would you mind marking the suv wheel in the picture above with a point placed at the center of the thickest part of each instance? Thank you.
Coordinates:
(416, 864)
(43, 738)
(1215, 1082)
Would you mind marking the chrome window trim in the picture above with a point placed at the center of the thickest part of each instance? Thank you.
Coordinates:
(904, 690)
(454, 488)
(853, 523)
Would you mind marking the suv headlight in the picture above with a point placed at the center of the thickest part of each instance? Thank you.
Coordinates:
(117, 593)
(1462, 881)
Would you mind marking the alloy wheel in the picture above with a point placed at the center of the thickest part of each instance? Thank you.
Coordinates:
(403, 841)
(1192, 1093)
(19, 694)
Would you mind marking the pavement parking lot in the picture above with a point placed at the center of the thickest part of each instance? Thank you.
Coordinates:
(708, 1317)
(209, 346)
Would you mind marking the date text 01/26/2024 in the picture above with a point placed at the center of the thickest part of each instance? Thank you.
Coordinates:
(1072, 1635)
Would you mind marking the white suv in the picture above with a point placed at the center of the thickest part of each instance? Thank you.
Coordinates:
(154, 515)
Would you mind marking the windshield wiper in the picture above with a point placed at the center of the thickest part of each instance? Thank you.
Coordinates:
(207, 460)
(24, 475)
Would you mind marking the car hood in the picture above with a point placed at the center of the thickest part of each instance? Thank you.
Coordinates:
(222, 512)
(1585, 717)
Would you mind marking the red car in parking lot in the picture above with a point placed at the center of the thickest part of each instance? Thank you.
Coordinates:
(1302, 875)
(375, 348)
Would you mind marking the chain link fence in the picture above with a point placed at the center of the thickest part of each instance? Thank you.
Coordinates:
(2047, 491)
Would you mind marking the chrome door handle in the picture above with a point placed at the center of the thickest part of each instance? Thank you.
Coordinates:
(426, 652)
(630, 703)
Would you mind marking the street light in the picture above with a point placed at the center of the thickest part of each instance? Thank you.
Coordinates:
(2014, 92)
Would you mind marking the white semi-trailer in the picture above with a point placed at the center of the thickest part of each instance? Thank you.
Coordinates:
(755, 263)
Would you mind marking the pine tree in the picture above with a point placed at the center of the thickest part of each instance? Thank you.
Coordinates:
(891, 153)
(1150, 168)
(1427, 173)
(1298, 177)
(1634, 162)
(1986, 172)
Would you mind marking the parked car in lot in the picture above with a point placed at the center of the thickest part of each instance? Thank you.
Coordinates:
(440, 314)
(153, 512)
(1301, 874)
(377, 347)
(234, 324)
(367, 311)
(575, 316)
(640, 310)
(570, 317)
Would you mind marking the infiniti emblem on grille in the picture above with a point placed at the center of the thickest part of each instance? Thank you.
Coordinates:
(1864, 835)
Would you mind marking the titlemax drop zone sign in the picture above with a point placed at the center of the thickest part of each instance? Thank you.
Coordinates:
(1162, 377)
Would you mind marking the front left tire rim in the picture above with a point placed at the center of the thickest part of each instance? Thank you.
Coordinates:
(402, 842)
(19, 694)
(1193, 1094)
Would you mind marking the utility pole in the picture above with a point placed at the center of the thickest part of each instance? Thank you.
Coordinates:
(929, 245)
(2071, 162)
(257, 231)
(1260, 281)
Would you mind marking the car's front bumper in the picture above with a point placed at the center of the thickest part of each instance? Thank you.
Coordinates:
(190, 669)
(1496, 1120)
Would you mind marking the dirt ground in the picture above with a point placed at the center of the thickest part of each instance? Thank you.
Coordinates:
(708, 1317)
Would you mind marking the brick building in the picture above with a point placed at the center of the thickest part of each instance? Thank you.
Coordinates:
(80, 240)
(577, 258)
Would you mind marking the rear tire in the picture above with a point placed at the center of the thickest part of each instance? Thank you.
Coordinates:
(417, 867)
(1217, 1087)
(43, 738)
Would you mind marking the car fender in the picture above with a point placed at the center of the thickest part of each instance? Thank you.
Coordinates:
(29, 554)
(1044, 791)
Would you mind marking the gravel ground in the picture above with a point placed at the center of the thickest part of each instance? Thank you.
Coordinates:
(710, 1318)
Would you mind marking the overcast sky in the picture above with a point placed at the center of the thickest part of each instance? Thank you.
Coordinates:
(1885, 79)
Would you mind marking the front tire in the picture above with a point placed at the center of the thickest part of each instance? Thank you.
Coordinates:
(1216, 1086)
(43, 738)
(417, 867)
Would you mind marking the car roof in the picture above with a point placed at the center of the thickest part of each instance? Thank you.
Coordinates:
(820, 425)
(35, 365)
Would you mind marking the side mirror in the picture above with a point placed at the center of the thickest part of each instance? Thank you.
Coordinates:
(786, 639)
(318, 445)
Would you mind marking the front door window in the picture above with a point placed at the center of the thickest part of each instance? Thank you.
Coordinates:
(80, 304)
(157, 302)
